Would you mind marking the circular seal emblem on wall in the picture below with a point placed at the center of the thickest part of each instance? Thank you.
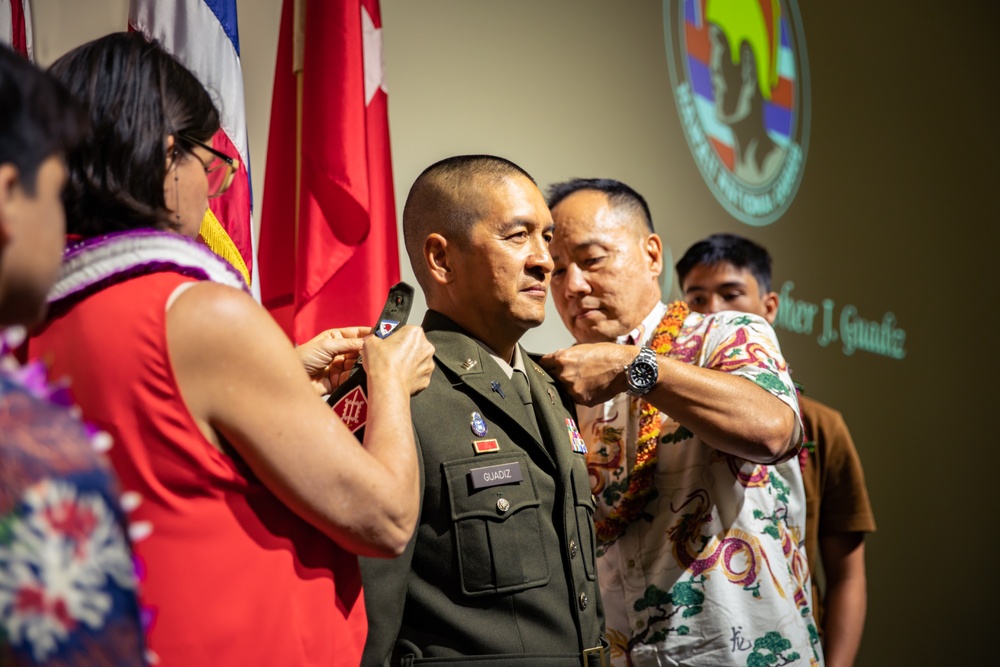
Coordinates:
(740, 78)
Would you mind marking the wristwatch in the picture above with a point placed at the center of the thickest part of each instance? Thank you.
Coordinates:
(642, 373)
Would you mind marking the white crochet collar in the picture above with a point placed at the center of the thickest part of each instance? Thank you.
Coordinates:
(96, 263)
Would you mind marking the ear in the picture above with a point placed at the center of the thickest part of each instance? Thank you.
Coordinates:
(437, 260)
(168, 148)
(653, 248)
(10, 190)
(771, 302)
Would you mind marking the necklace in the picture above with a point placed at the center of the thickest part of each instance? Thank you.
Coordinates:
(640, 487)
(92, 264)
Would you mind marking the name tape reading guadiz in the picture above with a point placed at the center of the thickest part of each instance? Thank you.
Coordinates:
(504, 473)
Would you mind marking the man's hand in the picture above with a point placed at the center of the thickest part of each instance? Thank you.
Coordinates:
(593, 373)
(329, 356)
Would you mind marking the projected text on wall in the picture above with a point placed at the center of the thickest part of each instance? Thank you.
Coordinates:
(840, 325)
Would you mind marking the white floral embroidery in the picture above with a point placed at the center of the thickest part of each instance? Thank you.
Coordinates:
(55, 568)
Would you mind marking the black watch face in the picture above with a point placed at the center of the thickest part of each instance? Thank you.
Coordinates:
(643, 375)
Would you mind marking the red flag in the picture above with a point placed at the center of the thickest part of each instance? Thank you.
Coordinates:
(328, 249)
(15, 26)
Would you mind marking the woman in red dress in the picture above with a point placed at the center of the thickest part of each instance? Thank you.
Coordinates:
(249, 500)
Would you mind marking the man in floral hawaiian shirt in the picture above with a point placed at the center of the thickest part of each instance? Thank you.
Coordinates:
(700, 515)
(67, 580)
(730, 272)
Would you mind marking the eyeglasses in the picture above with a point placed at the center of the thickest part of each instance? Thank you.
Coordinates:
(220, 171)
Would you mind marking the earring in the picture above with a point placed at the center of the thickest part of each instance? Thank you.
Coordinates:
(177, 192)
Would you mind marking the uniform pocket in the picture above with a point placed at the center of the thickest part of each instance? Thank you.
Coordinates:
(584, 502)
(497, 529)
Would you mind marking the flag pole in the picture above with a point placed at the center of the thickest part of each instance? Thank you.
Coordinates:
(298, 58)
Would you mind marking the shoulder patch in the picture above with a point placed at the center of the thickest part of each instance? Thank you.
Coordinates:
(352, 408)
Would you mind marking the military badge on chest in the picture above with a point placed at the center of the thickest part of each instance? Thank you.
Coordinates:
(478, 425)
(479, 428)
(485, 446)
(575, 439)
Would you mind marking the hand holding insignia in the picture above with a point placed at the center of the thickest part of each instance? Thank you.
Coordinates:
(406, 358)
(330, 355)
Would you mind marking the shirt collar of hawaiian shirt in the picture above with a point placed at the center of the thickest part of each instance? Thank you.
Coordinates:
(641, 334)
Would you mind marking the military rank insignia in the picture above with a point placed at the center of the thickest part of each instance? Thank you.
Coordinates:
(385, 327)
(579, 446)
(478, 425)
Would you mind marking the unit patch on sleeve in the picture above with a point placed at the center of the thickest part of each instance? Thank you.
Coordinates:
(352, 408)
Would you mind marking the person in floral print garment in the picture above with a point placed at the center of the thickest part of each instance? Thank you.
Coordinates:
(729, 272)
(700, 514)
(67, 579)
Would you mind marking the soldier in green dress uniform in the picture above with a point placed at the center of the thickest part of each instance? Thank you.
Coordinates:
(500, 570)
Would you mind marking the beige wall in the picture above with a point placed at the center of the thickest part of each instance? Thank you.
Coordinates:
(894, 214)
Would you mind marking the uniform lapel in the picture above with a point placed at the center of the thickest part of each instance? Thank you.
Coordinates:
(550, 411)
(474, 368)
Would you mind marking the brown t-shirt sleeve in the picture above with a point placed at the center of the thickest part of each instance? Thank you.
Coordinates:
(844, 507)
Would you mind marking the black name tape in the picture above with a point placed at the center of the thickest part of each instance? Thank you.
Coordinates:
(504, 473)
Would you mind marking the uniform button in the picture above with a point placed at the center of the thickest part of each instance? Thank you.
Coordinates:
(572, 549)
(503, 505)
(583, 601)
(631, 563)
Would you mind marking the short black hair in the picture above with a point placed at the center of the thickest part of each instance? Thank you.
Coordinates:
(741, 252)
(38, 117)
(135, 94)
(443, 200)
(619, 195)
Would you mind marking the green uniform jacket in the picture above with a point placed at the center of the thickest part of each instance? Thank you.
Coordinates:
(505, 569)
